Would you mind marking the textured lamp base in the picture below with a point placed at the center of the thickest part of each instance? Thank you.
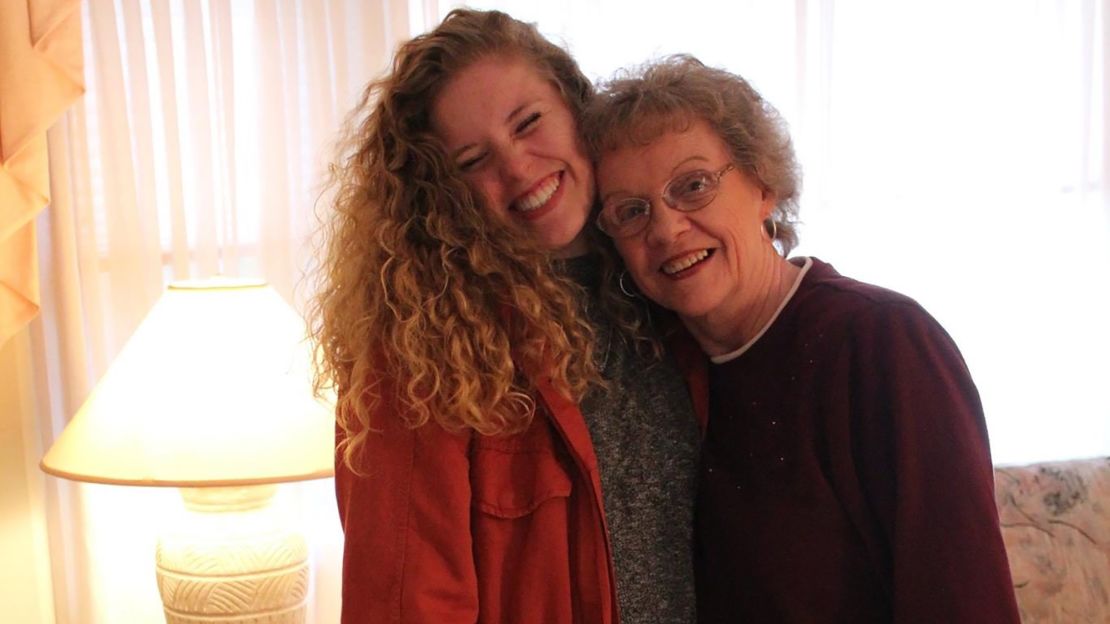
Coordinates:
(232, 561)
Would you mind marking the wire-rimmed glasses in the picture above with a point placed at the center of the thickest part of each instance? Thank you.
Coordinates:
(622, 217)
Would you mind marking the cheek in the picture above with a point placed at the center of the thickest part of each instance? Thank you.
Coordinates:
(734, 229)
(565, 133)
(624, 248)
(634, 255)
(574, 145)
(488, 190)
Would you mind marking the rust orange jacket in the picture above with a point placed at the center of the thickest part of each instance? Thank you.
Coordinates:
(457, 527)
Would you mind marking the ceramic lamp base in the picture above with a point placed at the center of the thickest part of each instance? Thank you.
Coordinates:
(232, 560)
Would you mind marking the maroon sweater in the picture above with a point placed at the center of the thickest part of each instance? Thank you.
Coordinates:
(846, 472)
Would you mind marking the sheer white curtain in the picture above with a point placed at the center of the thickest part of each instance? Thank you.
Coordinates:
(199, 149)
(956, 151)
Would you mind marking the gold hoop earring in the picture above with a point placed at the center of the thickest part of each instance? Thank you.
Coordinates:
(770, 231)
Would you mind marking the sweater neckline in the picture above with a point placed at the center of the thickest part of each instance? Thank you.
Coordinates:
(732, 355)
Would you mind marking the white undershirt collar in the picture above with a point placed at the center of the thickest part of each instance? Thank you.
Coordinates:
(732, 355)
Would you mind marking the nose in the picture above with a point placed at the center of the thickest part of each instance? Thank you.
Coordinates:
(665, 223)
(512, 164)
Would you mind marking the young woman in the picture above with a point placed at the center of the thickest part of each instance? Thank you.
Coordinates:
(846, 474)
(488, 468)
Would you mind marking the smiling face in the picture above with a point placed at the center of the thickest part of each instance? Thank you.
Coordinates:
(515, 141)
(699, 264)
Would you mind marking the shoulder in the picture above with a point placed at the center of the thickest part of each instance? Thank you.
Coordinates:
(831, 302)
(875, 327)
(824, 286)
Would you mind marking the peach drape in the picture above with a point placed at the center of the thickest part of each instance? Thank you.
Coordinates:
(40, 76)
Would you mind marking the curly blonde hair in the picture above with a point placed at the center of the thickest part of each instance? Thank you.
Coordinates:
(429, 307)
(641, 103)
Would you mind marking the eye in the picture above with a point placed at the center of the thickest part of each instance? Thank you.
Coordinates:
(627, 210)
(527, 123)
(692, 185)
(471, 163)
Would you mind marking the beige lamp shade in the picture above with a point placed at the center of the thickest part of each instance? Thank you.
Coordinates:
(214, 388)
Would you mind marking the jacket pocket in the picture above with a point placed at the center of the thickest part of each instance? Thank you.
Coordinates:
(512, 477)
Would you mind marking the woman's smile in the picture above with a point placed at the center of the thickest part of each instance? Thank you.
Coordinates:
(515, 142)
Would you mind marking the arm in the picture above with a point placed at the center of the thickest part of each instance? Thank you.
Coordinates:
(923, 459)
(406, 521)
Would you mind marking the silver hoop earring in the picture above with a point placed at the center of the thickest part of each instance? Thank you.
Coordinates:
(631, 294)
(772, 231)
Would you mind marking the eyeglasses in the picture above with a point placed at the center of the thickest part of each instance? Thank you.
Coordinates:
(622, 217)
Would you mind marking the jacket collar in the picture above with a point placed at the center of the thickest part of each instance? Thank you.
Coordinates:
(691, 360)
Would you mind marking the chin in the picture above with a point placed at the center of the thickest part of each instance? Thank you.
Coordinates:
(685, 308)
(568, 237)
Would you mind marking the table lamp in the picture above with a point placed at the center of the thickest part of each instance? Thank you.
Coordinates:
(212, 394)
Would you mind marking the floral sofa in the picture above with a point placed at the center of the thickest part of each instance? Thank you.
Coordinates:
(1056, 525)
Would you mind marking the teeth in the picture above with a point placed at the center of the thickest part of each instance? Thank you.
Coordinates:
(685, 262)
(538, 197)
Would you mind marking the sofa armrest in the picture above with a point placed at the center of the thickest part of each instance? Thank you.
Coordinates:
(1056, 525)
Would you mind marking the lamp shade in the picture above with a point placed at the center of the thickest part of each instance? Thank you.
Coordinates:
(214, 388)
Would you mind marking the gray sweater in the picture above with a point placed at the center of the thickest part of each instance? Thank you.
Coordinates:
(646, 439)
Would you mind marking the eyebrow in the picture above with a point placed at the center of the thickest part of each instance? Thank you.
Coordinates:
(508, 120)
(673, 169)
(697, 157)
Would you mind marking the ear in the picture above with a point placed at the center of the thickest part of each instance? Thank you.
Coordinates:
(768, 203)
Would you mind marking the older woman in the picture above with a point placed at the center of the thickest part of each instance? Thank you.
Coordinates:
(846, 474)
